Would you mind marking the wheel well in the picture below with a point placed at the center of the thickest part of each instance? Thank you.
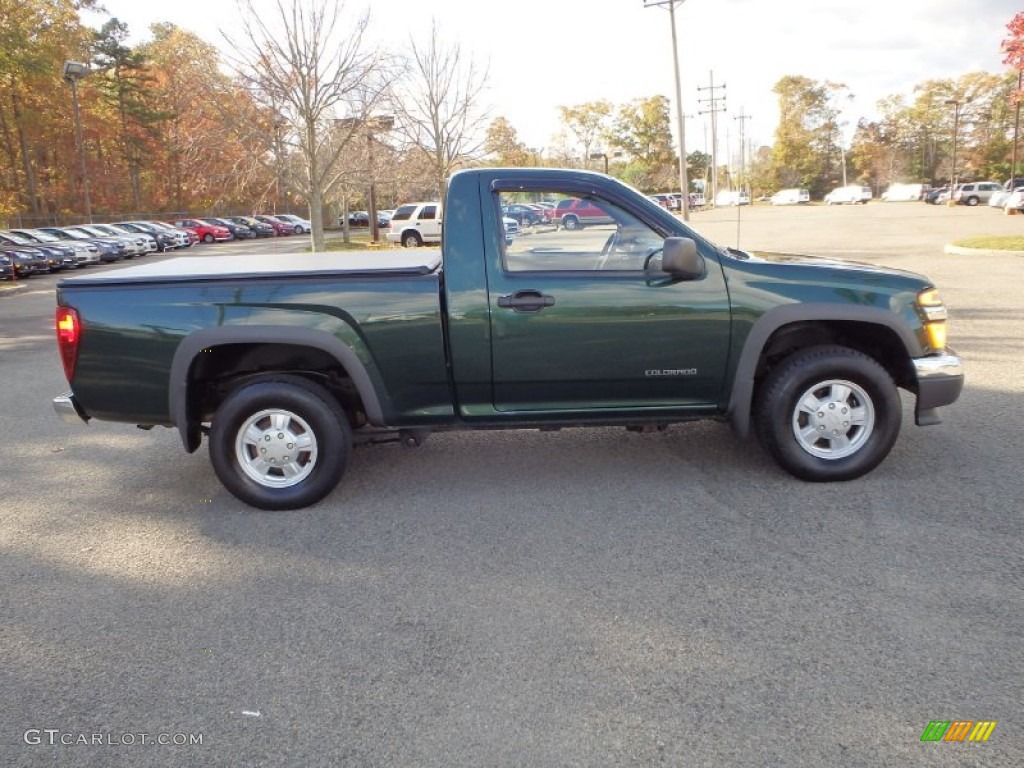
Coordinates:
(876, 341)
(219, 370)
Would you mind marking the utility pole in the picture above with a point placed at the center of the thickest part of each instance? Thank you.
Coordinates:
(716, 104)
(742, 117)
(684, 184)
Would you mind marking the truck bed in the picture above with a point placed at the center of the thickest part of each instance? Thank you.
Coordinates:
(332, 264)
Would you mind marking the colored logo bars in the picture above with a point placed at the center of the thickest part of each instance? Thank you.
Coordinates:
(958, 730)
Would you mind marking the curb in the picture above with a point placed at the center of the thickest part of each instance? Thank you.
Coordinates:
(957, 250)
(12, 290)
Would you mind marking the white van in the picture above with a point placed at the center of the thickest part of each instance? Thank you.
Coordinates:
(902, 193)
(791, 197)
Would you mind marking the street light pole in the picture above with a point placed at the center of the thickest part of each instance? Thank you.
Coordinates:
(684, 184)
(73, 72)
(956, 130)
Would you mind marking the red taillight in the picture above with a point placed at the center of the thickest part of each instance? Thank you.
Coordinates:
(69, 330)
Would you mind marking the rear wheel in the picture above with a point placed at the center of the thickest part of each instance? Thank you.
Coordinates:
(570, 222)
(829, 413)
(208, 238)
(972, 200)
(280, 443)
(412, 239)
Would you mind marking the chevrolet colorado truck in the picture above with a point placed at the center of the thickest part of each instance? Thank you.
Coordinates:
(639, 322)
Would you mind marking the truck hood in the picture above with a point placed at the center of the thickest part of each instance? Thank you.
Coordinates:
(823, 262)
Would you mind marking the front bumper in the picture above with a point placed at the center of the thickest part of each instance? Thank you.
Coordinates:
(69, 409)
(940, 379)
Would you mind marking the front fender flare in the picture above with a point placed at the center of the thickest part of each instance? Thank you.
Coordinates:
(738, 409)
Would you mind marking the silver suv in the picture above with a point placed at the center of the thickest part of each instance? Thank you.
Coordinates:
(975, 192)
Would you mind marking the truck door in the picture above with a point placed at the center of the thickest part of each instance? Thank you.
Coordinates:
(579, 324)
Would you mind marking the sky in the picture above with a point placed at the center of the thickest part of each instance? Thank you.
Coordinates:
(546, 53)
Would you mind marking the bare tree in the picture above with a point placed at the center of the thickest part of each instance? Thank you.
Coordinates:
(438, 105)
(312, 70)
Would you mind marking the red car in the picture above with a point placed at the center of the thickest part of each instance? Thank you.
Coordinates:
(206, 231)
(574, 213)
(281, 227)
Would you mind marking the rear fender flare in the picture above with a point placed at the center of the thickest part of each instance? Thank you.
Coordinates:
(194, 344)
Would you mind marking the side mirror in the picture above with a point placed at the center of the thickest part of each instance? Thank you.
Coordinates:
(680, 258)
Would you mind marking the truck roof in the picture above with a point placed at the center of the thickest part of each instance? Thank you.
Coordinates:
(331, 263)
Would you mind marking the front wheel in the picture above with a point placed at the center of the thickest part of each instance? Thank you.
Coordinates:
(281, 442)
(972, 201)
(570, 222)
(829, 413)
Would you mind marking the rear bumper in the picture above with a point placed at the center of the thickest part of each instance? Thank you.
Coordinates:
(940, 379)
(69, 410)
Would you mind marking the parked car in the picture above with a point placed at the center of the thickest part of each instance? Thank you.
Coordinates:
(415, 224)
(59, 256)
(238, 231)
(524, 215)
(576, 213)
(975, 192)
(6, 267)
(281, 227)
(903, 193)
(258, 228)
(206, 231)
(85, 253)
(167, 238)
(850, 194)
(128, 247)
(732, 197)
(1015, 201)
(139, 243)
(110, 249)
(668, 200)
(356, 219)
(932, 195)
(302, 226)
(791, 196)
(191, 237)
(26, 261)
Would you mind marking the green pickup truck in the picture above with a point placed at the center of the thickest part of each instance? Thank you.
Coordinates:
(630, 318)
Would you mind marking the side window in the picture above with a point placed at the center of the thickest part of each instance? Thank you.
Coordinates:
(403, 213)
(583, 234)
(428, 212)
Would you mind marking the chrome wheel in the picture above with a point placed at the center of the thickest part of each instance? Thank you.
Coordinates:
(833, 419)
(276, 448)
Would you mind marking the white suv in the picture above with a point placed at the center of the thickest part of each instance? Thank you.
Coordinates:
(414, 224)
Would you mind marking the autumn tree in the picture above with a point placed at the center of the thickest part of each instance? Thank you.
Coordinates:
(588, 123)
(123, 79)
(502, 144)
(642, 130)
(311, 64)
(805, 140)
(439, 104)
(36, 144)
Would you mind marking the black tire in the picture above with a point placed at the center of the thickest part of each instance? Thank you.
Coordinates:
(972, 200)
(825, 373)
(309, 414)
(207, 238)
(299, 229)
(570, 222)
(411, 239)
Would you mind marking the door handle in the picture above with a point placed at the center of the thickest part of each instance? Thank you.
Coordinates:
(526, 301)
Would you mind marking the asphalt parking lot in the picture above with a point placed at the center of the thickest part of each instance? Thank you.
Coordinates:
(580, 598)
